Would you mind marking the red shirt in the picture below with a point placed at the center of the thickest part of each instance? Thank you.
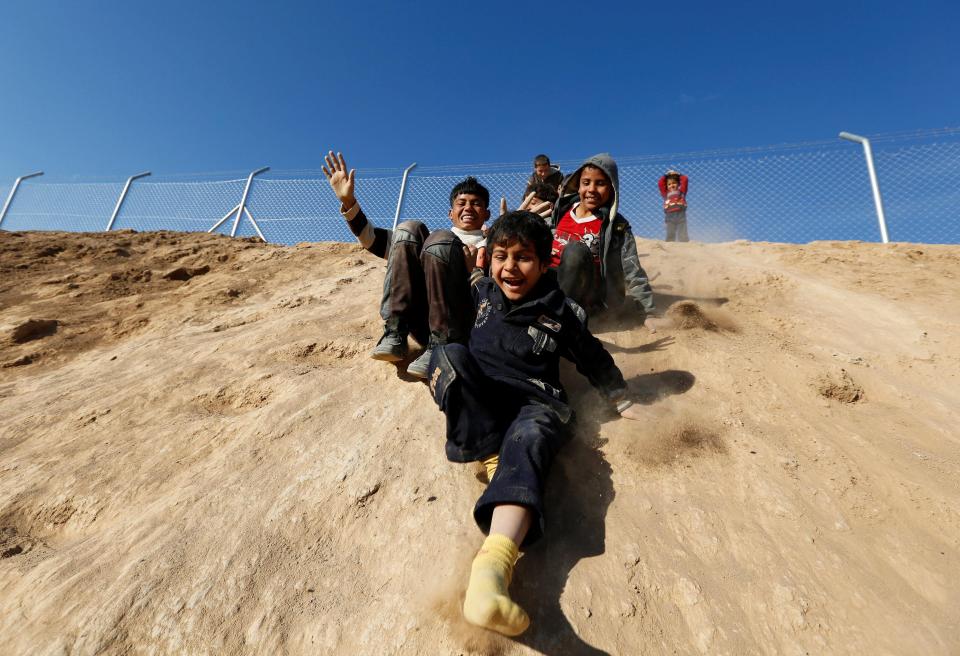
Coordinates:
(571, 228)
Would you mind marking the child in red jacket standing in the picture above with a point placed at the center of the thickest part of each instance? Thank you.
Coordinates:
(673, 188)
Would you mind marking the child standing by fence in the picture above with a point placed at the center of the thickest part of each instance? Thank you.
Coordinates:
(673, 189)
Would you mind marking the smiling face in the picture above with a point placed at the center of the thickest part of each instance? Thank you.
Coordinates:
(469, 211)
(672, 184)
(516, 269)
(594, 189)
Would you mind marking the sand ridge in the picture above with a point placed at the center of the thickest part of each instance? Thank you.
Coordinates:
(197, 456)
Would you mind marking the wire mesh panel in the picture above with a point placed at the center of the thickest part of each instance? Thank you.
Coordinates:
(920, 185)
(789, 193)
(774, 196)
(184, 206)
(74, 207)
(298, 210)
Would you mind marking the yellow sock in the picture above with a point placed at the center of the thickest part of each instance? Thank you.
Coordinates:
(491, 465)
(488, 603)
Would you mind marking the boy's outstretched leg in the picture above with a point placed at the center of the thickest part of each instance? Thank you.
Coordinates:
(577, 274)
(488, 603)
(403, 305)
(449, 303)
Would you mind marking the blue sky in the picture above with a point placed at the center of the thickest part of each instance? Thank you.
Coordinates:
(110, 89)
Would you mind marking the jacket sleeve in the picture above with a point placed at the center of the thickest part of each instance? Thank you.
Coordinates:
(531, 181)
(662, 183)
(375, 240)
(587, 352)
(635, 279)
(683, 184)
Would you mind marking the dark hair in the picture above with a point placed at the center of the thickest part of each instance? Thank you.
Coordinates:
(541, 159)
(546, 192)
(470, 186)
(524, 227)
(592, 166)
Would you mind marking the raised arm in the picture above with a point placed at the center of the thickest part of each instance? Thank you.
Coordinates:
(683, 184)
(596, 363)
(375, 240)
(662, 183)
(341, 181)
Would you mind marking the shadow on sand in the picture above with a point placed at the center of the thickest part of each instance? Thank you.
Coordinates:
(649, 388)
(579, 491)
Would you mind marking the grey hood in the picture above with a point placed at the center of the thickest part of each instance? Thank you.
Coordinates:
(604, 162)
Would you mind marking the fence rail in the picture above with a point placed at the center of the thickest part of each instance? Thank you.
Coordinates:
(787, 193)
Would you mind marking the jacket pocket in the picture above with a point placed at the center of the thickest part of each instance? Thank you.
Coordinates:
(542, 341)
(442, 377)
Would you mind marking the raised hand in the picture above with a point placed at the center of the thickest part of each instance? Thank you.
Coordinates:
(340, 180)
(470, 256)
(481, 260)
(543, 209)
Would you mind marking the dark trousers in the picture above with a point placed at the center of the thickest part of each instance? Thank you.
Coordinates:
(427, 286)
(676, 223)
(578, 276)
(485, 417)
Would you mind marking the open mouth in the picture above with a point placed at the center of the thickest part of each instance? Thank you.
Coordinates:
(513, 284)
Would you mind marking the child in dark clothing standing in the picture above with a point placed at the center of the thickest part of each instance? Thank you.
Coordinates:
(505, 405)
(673, 188)
(543, 171)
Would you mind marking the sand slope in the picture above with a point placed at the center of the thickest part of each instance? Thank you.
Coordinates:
(197, 456)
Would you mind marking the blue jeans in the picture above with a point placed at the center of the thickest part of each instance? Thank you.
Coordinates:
(676, 223)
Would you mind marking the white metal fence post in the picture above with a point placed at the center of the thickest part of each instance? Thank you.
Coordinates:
(123, 194)
(403, 189)
(242, 208)
(13, 191)
(877, 200)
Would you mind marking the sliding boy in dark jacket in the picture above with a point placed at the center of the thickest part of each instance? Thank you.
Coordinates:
(594, 251)
(505, 405)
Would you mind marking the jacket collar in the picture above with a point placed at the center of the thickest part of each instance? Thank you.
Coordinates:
(545, 298)
(567, 202)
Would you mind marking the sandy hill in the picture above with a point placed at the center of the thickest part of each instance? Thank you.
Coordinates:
(198, 457)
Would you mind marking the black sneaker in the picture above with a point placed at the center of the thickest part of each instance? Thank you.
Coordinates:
(392, 345)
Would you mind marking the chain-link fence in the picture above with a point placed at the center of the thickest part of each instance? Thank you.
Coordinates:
(788, 193)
